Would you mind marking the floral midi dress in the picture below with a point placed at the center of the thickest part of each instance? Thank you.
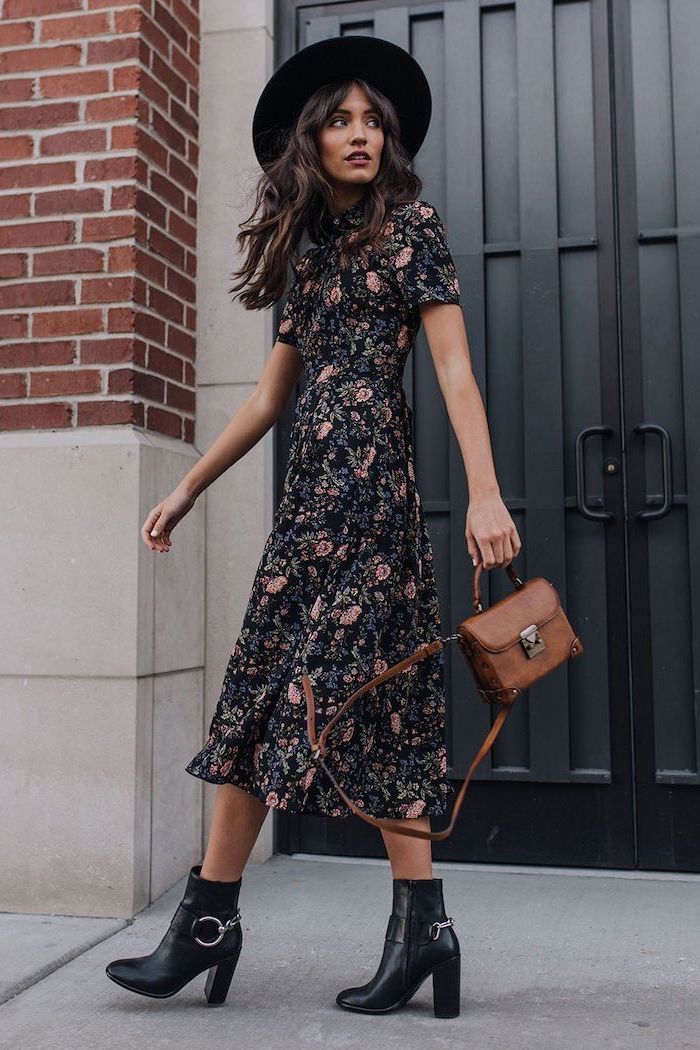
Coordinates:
(345, 586)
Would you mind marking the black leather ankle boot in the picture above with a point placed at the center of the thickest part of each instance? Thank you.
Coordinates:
(204, 934)
(419, 941)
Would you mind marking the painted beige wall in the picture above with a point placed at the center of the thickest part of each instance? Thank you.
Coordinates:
(232, 343)
(112, 656)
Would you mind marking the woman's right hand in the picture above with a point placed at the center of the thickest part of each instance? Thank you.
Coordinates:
(163, 519)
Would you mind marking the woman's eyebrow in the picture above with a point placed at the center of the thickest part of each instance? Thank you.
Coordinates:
(370, 110)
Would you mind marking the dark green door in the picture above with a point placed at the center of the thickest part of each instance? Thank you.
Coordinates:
(563, 156)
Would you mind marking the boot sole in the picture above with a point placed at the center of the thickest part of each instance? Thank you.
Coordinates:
(168, 995)
(406, 996)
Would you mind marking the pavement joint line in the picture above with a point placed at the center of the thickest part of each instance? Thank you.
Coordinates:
(516, 869)
(45, 971)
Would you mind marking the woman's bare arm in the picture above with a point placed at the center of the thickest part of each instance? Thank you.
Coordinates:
(490, 531)
(251, 421)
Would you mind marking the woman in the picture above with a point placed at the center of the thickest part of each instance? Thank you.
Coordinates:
(345, 586)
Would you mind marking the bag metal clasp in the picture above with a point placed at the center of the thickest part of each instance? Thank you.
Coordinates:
(531, 640)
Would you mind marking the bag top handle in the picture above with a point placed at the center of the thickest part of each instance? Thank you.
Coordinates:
(476, 594)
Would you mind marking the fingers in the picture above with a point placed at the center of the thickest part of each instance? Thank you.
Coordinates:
(494, 551)
(154, 532)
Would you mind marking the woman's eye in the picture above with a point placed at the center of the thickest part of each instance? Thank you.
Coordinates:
(374, 120)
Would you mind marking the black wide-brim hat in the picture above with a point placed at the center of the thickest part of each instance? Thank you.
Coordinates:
(384, 65)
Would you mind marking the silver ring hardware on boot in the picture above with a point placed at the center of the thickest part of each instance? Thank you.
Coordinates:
(435, 928)
(223, 928)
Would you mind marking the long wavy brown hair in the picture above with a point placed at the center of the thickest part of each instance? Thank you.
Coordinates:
(293, 195)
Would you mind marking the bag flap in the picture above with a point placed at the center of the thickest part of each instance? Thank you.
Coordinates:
(499, 626)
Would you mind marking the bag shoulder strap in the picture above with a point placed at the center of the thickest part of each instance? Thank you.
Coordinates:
(318, 745)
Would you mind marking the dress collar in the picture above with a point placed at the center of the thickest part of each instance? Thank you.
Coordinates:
(350, 218)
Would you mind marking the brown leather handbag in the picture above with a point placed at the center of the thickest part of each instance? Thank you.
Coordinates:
(508, 647)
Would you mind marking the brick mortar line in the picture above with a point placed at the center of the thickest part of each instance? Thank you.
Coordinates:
(58, 308)
(101, 154)
(99, 96)
(82, 366)
(80, 185)
(97, 396)
(51, 16)
(117, 242)
(108, 37)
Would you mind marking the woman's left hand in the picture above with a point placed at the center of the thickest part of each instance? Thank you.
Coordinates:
(492, 537)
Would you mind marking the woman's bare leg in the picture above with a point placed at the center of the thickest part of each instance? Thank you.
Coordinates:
(409, 858)
(235, 825)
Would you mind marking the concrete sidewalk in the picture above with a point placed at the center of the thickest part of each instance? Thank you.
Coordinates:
(551, 959)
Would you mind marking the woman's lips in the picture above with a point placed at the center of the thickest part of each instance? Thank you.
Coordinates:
(358, 160)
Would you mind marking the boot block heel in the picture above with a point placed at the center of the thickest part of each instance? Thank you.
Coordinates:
(219, 979)
(446, 988)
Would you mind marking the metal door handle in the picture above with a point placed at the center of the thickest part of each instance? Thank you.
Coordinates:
(594, 515)
(656, 428)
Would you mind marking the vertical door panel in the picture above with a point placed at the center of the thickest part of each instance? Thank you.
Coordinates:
(656, 47)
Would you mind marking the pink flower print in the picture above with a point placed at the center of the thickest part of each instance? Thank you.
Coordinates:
(226, 768)
(309, 777)
(382, 571)
(323, 428)
(306, 287)
(443, 763)
(335, 294)
(323, 548)
(347, 735)
(416, 808)
(362, 470)
(256, 756)
(351, 614)
(285, 325)
(316, 609)
(404, 257)
(325, 372)
(411, 470)
(379, 666)
(364, 394)
(403, 337)
(272, 798)
(410, 588)
(276, 584)
(373, 281)
(294, 693)
(395, 722)
(425, 211)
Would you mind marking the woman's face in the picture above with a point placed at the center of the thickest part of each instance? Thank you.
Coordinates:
(351, 129)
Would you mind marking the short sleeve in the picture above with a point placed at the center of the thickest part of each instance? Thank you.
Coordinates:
(290, 321)
(424, 264)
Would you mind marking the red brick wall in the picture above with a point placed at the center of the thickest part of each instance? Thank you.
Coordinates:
(98, 180)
